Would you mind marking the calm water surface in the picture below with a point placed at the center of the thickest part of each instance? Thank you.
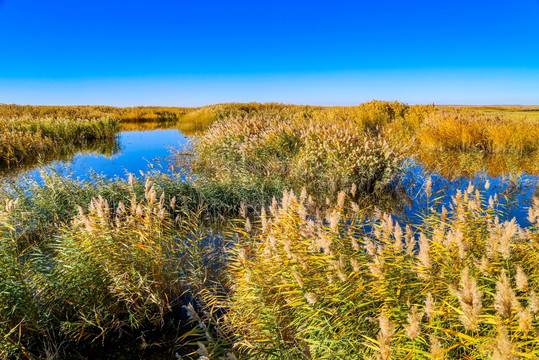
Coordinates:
(515, 193)
(138, 151)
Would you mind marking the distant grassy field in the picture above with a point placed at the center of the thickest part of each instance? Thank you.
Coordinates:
(139, 113)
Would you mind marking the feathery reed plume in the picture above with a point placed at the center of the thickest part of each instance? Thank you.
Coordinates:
(428, 187)
(353, 190)
(509, 230)
(470, 299)
(202, 351)
(384, 337)
(424, 251)
(525, 318)
(243, 211)
(355, 264)
(409, 240)
(398, 234)
(521, 279)
(484, 265)
(298, 278)
(248, 226)
(430, 307)
(505, 300)
(436, 351)
(413, 329)
(334, 218)
(504, 348)
(341, 199)
(311, 298)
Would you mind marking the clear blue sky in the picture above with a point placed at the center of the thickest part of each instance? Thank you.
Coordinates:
(194, 52)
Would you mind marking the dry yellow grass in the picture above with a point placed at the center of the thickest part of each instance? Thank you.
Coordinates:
(465, 130)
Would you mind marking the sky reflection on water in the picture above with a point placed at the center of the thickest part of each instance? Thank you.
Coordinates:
(138, 151)
(515, 193)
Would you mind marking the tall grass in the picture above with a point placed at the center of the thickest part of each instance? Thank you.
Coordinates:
(273, 154)
(128, 114)
(104, 274)
(267, 147)
(137, 264)
(485, 128)
(465, 130)
(25, 139)
(463, 285)
(305, 280)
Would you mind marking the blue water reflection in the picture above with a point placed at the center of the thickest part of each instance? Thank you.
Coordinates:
(515, 193)
(139, 151)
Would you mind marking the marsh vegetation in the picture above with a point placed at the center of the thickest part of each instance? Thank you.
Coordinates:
(23, 140)
(295, 232)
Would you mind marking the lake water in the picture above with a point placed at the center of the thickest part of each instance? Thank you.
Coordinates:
(515, 192)
(137, 151)
(141, 150)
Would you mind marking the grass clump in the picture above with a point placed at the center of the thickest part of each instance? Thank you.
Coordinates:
(308, 284)
(273, 154)
(23, 140)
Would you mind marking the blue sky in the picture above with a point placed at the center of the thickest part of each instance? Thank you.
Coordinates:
(190, 53)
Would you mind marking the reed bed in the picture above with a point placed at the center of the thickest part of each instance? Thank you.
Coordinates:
(206, 114)
(152, 262)
(338, 284)
(274, 147)
(128, 114)
(52, 203)
(465, 130)
(88, 266)
(273, 154)
(25, 139)
(103, 274)
(502, 129)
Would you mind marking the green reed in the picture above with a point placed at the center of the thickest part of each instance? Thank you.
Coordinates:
(82, 272)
